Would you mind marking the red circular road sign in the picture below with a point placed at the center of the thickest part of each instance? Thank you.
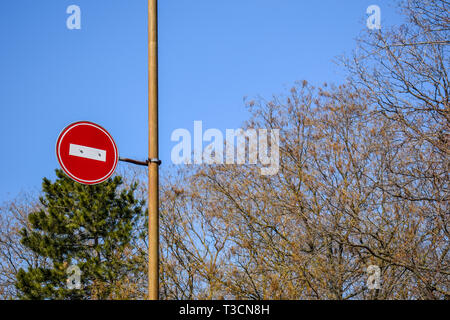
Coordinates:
(87, 153)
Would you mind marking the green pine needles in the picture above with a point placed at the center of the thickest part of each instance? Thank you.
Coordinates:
(89, 227)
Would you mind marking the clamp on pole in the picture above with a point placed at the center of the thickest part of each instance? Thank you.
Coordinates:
(154, 160)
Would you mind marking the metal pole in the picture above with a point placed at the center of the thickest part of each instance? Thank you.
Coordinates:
(153, 183)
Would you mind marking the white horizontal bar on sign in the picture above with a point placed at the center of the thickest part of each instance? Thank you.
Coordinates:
(87, 152)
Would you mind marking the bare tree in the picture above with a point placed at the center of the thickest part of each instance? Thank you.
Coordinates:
(311, 231)
(14, 255)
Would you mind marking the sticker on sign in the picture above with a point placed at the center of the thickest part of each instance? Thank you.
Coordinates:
(87, 152)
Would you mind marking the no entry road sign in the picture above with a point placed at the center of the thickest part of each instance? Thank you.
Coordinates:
(87, 153)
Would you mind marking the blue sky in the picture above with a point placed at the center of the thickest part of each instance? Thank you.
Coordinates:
(211, 54)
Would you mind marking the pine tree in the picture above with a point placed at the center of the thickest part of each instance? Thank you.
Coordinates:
(85, 226)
